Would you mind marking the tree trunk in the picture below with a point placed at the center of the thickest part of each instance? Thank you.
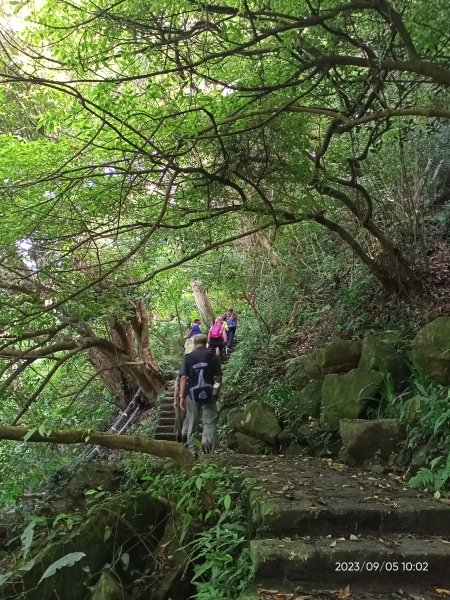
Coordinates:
(133, 443)
(134, 370)
(111, 377)
(203, 303)
(390, 267)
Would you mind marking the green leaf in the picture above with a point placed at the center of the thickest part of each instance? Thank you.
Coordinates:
(5, 576)
(27, 538)
(125, 559)
(199, 483)
(65, 561)
(107, 534)
(227, 501)
(29, 433)
(27, 566)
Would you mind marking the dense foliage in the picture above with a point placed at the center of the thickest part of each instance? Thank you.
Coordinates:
(286, 153)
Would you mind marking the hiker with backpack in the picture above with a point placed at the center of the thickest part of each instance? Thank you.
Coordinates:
(201, 374)
(217, 336)
(194, 330)
(231, 320)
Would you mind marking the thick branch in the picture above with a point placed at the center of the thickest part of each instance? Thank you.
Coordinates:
(132, 443)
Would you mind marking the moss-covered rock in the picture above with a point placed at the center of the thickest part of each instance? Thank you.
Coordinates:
(362, 439)
(339, 356)
(306, 402)
(431, 350)
(256, 420)
(378, 355)
(71, 495)
(345, 396)
(108, 588)
(249, 445)
(133, 522)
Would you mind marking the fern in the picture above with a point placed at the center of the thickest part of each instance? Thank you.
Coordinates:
(435, 480)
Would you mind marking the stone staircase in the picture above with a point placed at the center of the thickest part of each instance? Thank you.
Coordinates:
(323, 529)
(166, 424)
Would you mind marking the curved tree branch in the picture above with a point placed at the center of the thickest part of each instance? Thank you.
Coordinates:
(132, 443)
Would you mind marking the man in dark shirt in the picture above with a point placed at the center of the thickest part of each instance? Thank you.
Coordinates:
(199, 372)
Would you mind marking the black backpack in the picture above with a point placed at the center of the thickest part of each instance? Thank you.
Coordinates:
(201, 391)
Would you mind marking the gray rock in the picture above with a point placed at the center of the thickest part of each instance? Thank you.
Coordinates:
(363, 440)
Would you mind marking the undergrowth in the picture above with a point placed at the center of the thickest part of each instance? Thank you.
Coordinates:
(209, 522)
(424, 410)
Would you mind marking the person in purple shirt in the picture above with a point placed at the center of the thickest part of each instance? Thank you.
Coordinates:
(195, 328)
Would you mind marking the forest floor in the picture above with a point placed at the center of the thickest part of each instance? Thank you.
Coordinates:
(316, 516)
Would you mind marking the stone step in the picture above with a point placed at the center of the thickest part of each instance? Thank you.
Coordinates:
(167, 421)
(357, 591)
(332, 561)
(165, 436)
(278, 517)
(165, 428)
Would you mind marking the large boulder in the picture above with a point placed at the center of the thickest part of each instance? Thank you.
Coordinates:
(249, 445)
(345, 396)
(256, 420)
(134, 521)
(339, 356)
(364, 439)
(378, 355)
(431, 350)
(306, 402)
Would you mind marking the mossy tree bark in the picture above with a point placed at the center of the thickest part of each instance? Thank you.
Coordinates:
(132, 443)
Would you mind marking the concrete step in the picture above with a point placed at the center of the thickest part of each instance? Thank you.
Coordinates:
(165, 428)
(165, 436)
(336, 561)
(272, 589)
(278, 517)
(163, 421)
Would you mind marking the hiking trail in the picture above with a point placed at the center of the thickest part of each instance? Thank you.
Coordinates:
(325, 530)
